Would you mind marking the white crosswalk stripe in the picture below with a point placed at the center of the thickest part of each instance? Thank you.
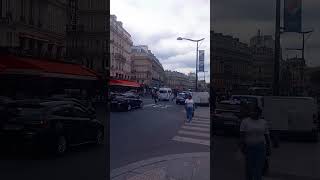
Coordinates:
(196, 132)
(198, 124)
(207, 135)
(192, 140)
(163, 106)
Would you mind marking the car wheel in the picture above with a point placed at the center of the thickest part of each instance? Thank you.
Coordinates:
(61, 146)
(129, 107)
(99, 137)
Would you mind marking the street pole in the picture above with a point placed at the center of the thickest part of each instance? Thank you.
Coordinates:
(277, 51)
(197, 67)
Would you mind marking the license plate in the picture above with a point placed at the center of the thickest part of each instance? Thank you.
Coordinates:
(12, 127)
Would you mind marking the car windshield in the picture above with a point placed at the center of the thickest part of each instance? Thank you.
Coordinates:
(182, 95)
(163, 91)
(228, 106)
(245, 98)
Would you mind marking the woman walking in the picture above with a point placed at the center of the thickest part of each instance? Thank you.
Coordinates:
(189, 105)
(255, 143)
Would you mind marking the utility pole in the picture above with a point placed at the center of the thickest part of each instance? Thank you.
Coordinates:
(277, 51)
(197, 66)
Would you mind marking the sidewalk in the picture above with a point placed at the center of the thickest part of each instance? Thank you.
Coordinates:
(189, 166)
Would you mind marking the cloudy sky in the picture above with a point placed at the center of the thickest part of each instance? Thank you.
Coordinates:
(158, 23)
(242, 18)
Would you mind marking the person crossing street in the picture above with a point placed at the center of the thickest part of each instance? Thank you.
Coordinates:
(189, 105)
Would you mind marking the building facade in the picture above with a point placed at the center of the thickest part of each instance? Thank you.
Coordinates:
(87, 34)
(120, 50)
(33, 28)
(176, 80)
(146, 68)
(232, 63)
(192, 81)
(297, 70)
(262, 50)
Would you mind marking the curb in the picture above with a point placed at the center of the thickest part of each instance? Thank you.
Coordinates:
(122, 170)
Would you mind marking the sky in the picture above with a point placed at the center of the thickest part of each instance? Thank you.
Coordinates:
(158, 24)
(243, 18)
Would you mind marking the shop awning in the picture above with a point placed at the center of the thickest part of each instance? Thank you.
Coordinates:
(115, 82)
(42, 67)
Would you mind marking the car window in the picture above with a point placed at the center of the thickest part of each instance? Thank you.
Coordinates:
(163, 91)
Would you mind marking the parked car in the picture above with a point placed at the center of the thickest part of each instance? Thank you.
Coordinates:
(52, 125)
(126, 102)
(181, 98)
(227, 117)
(84, 105)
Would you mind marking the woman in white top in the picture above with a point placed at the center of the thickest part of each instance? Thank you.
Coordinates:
(189, 103)
(255, 143)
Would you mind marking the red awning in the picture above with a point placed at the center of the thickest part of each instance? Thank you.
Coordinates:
(115, 82)
(21, 65)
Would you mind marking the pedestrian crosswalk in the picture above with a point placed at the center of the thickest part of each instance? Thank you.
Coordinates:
(196, 132)
(163, 106)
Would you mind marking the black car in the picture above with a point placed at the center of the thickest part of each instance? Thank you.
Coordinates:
(126, 102)
(181, 98)
(50, 125)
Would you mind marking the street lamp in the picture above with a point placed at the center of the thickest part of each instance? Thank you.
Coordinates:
(197, 41)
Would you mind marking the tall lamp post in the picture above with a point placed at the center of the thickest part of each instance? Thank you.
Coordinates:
(197, 41)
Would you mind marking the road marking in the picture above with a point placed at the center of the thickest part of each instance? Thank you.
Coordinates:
(196, 124)
(196, 128)
(191, 140)
(200, 122)
(148, 105)
(201, 119)
(207, 135)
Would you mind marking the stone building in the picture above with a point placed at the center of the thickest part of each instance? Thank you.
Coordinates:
(232, 63)
(87, 33)
(120, 49)
(262, 50)
(176, 80)
(146, 68)
(33, 28)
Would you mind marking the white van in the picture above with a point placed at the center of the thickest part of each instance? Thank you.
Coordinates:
(201, 98)
(292, 116)
(165, 94)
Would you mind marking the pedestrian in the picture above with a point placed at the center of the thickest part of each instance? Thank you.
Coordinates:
(189, 105)
(155, 96)
(255, 143)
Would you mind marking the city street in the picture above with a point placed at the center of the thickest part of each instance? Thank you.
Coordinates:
(292, 160)
(156, 130)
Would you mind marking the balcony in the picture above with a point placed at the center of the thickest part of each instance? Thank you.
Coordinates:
(119, 57)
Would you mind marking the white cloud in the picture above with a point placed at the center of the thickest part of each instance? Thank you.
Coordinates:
(158, 23)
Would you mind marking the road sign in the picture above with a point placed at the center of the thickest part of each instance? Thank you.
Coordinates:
(292, 15)
(201, 60)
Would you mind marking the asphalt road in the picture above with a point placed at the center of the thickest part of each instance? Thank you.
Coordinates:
(146, 133)
(80, 163)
